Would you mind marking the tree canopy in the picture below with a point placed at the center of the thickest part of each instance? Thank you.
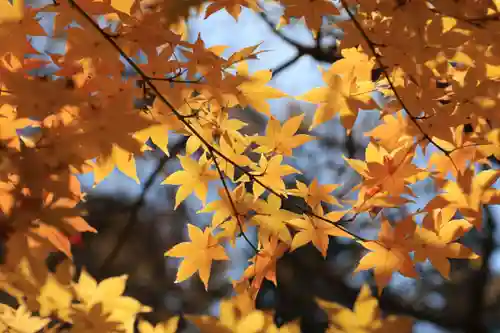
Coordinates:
(130, 81)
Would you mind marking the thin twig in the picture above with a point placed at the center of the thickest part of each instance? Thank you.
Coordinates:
(285, 65)
(231, 202)
(317, 52)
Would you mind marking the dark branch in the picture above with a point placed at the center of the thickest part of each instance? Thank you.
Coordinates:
(329, 55)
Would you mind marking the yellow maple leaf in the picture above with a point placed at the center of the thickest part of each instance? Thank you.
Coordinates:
(197, 254)
(106, 297)
(344, 94)
(55, 298)
(20, 320)
(364, 317)
(372, 200)
(271, 218)
(438, 243)
(235, 153)
(119, 158)
(462, 150)
(270, 173)
(469, 192)
(124, 5)
(254, 91)
(158, 134)
(224, 215)
(194, 177)
(394, 132)
(282, 139)
(312, 229)
(10, 124)
(315, 193)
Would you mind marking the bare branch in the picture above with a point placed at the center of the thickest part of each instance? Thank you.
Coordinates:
(329, 55)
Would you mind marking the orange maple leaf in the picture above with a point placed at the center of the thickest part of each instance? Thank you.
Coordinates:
(390, 253)
(264, 264)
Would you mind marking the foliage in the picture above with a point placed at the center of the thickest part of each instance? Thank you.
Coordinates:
(435, 63)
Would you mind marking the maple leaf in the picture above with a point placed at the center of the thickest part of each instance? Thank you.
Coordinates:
(469, 192)
(179, 10)
(264, 264)
(124, 6)
(55, 298)
(193, 178)
(281, 139)
(106, 297)
(271, 219)
(21, 21)
(198, 254)
(391, 171)
(462, 150)
(232, 321)
(99, 319)
(316, 193)
(343, 95)
(218, 125)
(389, 253)
(396, 131)
(372, 200)
(312, 12)
(10, 124)
(233, 7)
(120, 159)
(436, 240)
(313, 229)
(245, 53)
(224, 215)
(205, 61)
(55, 237)
(364, 317)
(254, 92)
(20, 320)
(235, 153)
(158, 135)
(270, 173)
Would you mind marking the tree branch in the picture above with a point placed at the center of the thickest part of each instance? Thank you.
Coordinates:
(329, 55)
